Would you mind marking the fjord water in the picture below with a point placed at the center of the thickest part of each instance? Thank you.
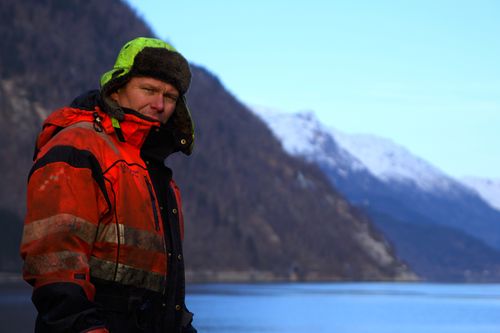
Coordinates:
(318, 307)
(347, 308)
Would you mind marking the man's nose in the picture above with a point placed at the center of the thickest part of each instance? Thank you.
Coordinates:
(158, 103)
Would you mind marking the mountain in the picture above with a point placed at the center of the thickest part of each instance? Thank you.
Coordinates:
(253, 212)
(392, 163)
(406, 197)
(488, 189)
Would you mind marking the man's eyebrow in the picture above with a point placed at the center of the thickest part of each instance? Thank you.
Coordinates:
(148, 85)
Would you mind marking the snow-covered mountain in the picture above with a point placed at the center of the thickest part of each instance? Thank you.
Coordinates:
(303, 134)
(389, 161)
(419, 208)
(488, 189)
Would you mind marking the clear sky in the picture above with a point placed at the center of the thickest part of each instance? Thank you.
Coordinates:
(424, 73)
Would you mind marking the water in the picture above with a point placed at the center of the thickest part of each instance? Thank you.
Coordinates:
(329, 307)
(347, 308)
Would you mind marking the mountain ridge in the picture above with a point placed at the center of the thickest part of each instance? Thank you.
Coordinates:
(487, 188)
(416, 194)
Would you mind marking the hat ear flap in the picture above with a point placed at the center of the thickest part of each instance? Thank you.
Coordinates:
(182, 122)
(108, 104)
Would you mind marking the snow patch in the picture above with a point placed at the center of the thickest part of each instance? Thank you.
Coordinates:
(488, 189)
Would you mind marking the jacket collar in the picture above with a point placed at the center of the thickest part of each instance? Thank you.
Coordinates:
(150, 136)
(180, 123)
(134, 129)
(155, 141)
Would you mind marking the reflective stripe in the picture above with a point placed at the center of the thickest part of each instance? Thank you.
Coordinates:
(125, 274)
(54, 262)
(102, 269)
(141, 239)
(60, 223)
(121, 233)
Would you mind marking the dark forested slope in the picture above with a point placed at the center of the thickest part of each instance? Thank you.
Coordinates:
(253, 212)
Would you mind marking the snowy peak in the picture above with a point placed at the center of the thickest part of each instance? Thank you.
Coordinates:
(420, 210)
(389, 161)
(488, 189)
(303, 134)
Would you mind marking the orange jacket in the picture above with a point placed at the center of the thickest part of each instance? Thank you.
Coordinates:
(93, 209)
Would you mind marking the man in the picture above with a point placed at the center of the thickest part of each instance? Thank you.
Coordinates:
(102, 236)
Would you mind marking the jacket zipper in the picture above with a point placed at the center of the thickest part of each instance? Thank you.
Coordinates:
(157, 227)
(153, 203)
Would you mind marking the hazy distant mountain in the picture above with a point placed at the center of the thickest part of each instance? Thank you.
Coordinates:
(402, 193)
(488, 189)
(390, 162)
(304, 135)
(252, 211)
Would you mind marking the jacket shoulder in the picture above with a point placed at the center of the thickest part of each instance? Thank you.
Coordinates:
(82, 136)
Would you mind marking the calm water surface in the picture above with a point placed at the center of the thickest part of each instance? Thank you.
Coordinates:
(347, 308)
(332, 307)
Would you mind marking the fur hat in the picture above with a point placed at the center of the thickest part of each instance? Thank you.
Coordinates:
(154, 58)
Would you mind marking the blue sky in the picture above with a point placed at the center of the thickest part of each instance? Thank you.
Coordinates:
(425, 74)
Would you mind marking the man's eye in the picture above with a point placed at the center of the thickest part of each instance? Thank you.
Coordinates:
(148, 90)
(171, 98)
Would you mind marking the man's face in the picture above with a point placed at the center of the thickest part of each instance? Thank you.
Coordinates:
(150, 97)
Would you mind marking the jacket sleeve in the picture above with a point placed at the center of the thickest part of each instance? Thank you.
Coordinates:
(66, 199)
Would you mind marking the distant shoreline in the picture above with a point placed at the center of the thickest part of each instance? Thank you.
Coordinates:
(10, 277)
